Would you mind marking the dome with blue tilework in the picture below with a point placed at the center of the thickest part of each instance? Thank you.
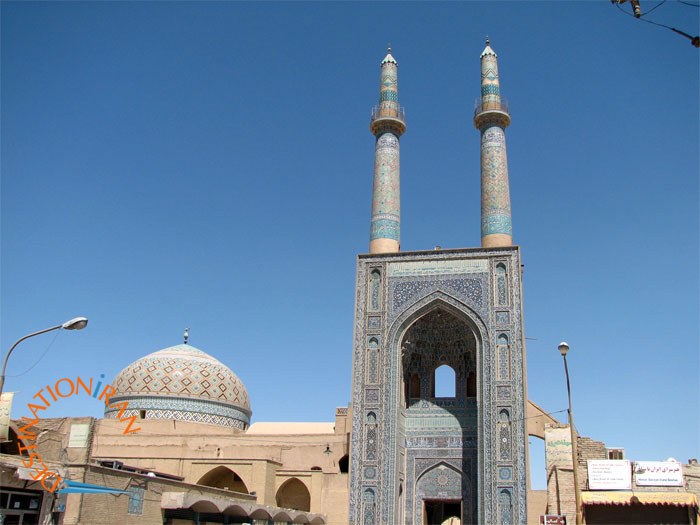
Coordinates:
(184, 383)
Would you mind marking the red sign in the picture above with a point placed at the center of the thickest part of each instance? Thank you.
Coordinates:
(552, 519)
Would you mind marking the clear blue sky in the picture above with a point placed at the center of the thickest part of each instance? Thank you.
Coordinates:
(210, 165)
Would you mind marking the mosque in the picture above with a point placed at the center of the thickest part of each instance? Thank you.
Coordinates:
(398, 454)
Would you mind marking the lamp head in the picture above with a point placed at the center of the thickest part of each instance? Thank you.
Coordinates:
(75, 324)
(563, 348)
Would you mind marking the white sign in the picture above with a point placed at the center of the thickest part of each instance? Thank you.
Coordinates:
(609, 474)
(5, 410)
(79, 435)
(658, 473)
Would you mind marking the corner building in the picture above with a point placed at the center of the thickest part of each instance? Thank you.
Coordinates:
(418, 458)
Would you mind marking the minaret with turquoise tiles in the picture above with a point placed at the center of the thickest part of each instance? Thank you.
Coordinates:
(387, 124)
(491, 118)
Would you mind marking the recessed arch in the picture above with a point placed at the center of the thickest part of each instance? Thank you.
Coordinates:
(436, 300)
(437, 351)
(223, 477)
(293, 494)
(344, 464)
(439, 466)
(463, 484)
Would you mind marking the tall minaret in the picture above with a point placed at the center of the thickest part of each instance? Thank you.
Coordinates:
(491, 118)
(387, 125)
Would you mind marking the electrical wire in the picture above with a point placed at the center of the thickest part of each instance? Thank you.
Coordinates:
(694, 40)
(688, 3)
(40, 357)
(657, 5)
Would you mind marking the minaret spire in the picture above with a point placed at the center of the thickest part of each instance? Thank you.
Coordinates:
(491, 118)
(387, 125)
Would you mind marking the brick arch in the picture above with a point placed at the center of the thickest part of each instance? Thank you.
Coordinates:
(223, 477)
(294, 494)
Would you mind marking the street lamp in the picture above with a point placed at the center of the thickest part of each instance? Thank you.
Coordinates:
(74, 324)
(563, 349)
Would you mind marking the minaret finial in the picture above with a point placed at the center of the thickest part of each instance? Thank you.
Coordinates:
(388, 47)
(488, 42)
(186, 335)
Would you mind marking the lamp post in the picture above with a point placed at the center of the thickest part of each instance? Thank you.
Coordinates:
(563, 349)
(74, 324)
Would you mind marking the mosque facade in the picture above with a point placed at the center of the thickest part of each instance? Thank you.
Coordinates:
(417, 458)
(403, 452)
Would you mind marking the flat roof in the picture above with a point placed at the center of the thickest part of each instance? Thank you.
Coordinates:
(291, 428)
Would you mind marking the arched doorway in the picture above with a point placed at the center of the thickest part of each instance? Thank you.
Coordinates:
(439, 495)
(293, 494)
(224, 478)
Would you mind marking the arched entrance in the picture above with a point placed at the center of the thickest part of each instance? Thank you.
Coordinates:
(439, 377)
(439, 495)
(293, 494)
(224, 478)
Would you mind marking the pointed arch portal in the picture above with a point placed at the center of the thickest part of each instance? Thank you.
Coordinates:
(293, 494)
(438, 374)
(223, 478)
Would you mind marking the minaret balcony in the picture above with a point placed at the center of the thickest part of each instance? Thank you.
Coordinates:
(491, 112)
(480, 107)
(388, 119)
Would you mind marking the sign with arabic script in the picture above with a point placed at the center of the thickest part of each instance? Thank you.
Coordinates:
(447, 267)
(557, 442)
(658, 473)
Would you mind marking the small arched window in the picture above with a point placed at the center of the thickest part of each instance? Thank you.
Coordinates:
(445, 381)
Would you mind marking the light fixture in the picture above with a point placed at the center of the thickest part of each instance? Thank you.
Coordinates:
(563, 348)
(77, 323)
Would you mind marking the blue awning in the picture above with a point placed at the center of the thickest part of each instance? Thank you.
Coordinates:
(76, 487)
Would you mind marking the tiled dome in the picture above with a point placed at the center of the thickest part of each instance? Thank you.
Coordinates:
(182, 382)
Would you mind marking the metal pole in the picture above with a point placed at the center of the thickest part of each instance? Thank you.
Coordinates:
(7, 356)
(574, 449)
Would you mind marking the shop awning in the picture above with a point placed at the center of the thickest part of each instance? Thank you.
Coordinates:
(75, 487)
(621, 497)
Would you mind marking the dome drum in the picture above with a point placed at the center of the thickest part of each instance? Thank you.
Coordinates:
(182, 409)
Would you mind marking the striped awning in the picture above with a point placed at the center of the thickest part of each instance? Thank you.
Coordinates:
(621, 497)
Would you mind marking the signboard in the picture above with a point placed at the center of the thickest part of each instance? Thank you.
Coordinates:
(78, 435)
(5, 410)
(557, 446)
(609, 474)
(658, 474)
(552, 519)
